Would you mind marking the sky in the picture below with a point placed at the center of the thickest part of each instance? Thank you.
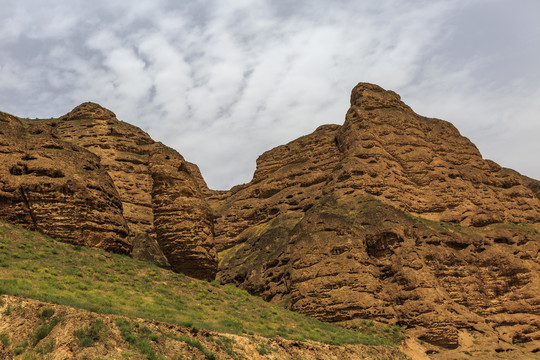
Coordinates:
(222, 81)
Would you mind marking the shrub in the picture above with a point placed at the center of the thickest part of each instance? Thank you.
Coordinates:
(91, 334)
(196, 344)
(45, 329)
(46, 313)
(4, 339)
(125, 330)
(263, 349)
(226, 344)
(142, 345)
(47, 347)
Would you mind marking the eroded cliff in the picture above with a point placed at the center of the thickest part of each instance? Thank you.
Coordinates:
(393, 217)
(110, 184)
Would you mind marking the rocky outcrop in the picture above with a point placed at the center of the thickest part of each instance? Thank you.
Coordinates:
(357, 258)
(424, 166)
(392, 217)
(146, 248)
(57, 187)
(182, 218)
(160, 191)
(156, 193)
(419, 165)
(19, 325)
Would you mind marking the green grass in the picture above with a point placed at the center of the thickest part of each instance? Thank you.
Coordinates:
(91, 334)
(139, 338)
(196, 344)
(39, 267)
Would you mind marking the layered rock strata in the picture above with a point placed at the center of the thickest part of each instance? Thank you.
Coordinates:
(393, 217)
(57, 187)
(158, 188)
(156, 192)
(420, 165)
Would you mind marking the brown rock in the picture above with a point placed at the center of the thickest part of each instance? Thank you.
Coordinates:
(146, 248)
(90, 174)
(58, 188)
(392, 217)
(160, 191)
(182, 218)
(424, 166)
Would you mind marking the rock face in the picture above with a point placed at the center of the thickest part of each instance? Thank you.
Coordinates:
(419, 165)
(154, 191)
(58, 188)
(392, 217)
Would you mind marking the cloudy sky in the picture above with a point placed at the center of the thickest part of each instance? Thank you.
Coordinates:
(222, 81)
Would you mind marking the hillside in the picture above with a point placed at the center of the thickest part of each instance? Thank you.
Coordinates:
(172, 305)
(118, 189)
(394, 217)
(391, 218)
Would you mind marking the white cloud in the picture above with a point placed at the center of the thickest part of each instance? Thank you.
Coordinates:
(224, 81)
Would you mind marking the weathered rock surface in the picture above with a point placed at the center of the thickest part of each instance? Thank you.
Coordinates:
(58, 188)
(419, 165)
(147, 249)
(155, 191)
(392, 217)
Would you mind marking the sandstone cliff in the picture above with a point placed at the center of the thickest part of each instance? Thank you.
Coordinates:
(393, 217)
(89, 178)
(57, 187)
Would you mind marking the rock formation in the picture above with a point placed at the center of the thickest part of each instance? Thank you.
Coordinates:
(58, 188)
(392, 217)
(89, 154)
(419, 165)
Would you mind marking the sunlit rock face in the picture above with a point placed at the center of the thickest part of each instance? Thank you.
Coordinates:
(393, 217)
(109, 182)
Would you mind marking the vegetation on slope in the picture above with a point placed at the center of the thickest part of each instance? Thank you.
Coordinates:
(36, 266)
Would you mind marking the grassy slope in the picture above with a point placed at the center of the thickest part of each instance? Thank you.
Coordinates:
(35, 266)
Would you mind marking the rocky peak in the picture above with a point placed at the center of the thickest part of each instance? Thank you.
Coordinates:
(89, 110)
(119, 178)
(393, 217)
(370, 96)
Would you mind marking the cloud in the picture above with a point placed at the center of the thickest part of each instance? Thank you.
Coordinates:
(224, 81)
